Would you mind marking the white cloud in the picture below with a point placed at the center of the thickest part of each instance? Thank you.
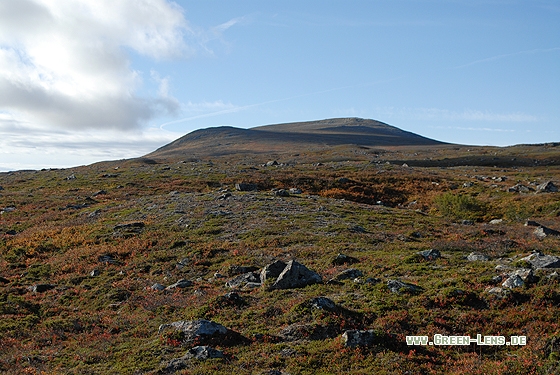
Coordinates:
(33, 147)
(64, 63)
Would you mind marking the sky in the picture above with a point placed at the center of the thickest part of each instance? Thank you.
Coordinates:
(83, 81)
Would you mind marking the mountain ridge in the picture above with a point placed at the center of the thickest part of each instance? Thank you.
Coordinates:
(291, 137)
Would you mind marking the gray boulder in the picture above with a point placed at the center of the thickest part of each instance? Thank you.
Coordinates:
(431, 254)
(547, 187)
(272, 271)
(157, 286)
(193, 329)
(245, 187)
(296, 275)
(543, 232)
(537, 260)
(180, 284)
(512, 282)
(242, 280)
(41, 288)
(341, 259)
(198, 352)
(351, 273)
(397, 286)
(298, 331)
(203, 353)
(354, 337)
(323, 303)
(477, 257)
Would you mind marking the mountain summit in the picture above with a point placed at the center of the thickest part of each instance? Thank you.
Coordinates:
(290, 137)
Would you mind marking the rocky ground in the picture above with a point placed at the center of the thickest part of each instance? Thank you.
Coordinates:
(278, 267)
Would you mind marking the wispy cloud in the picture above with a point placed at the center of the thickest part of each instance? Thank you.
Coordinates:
(503, 56)
(436, 114)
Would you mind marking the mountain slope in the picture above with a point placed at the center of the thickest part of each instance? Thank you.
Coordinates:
(290, 137)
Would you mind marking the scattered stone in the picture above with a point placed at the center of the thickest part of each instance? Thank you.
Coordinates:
(543, 232)
(203, 353)
(496, 280)
(531, 223)
(281, 193)
(526, 274)
(519, 188)
(431, 254)
(224, 196)
(354, 337)
(468, 184)
(99, 192)
(538, 261)
(193, 329)
(397, 286)
(94, 273)
(71, 177)
(180, 284)
(298, 331)
(158, 287)
(41, 288)
(477, 257)
(498, 292)
(351, 273)
(182, 263)
(242, 280)
(547, 187)
(296, 275)
(107, 258)
(341, 259)
(245, 187)
(198, 352)
(512, 282)
(271, 163)
(295, 191)
(496, 221)
(372, 280)
(272, 271)
(323, 303)
(234, 270)
(11, 232)
(7, 209)
(231, 299)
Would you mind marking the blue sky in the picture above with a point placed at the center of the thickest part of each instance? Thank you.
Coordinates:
(83, 81)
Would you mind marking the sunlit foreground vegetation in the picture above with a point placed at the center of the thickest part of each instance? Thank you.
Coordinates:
(82, 252)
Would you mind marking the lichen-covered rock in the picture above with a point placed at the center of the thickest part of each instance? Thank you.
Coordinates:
(341, 259)
(431, 254)
(203, 332)
(323, 303)
(296, 275)
(354, 337)
(513, 282)
(351, 273)
(272, 271)
(198, 352)
(180, 284)
(537, 260)
(397, 286)
(477, 257)
(243, 280)
(547, 187)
